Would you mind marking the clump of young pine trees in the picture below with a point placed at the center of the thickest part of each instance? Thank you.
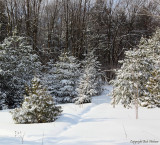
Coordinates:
(38, 106)
(18, 64)
(69, 81)
(137, 81)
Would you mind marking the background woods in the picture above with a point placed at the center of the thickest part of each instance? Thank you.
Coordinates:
(108, 26)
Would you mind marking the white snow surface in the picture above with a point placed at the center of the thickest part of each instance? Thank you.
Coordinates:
(96, 123)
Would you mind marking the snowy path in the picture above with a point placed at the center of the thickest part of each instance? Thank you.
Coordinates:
(97, 123)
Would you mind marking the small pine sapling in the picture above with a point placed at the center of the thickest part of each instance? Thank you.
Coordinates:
(38, 106)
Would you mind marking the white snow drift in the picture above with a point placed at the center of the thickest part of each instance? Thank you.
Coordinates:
(96, 123)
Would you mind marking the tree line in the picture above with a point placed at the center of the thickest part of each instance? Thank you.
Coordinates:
(110, 27)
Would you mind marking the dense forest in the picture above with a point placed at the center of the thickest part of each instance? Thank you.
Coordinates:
(52, 26)
(44, 30)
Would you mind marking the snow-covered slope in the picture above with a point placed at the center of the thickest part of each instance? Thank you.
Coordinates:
(97, 123)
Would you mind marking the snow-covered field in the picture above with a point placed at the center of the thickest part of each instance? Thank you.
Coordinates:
(97, 123)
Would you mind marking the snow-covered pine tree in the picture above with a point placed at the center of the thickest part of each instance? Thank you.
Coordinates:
(131, 80)
(66, 73)
(2, 100)
(2, 94)
(18, 64)
(127, 82)
(153, 84)
(48, 77)
(38, 106)
(89, 84)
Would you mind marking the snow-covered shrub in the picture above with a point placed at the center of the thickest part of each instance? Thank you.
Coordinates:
(90, 83)
(38, 106)
(63, 77)
(18, 64)
(138, 67)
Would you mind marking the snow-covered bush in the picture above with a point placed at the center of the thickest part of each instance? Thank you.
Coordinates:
(18, 64)
(90, 83)
(138, 66)
(38, 106)
(62, 78)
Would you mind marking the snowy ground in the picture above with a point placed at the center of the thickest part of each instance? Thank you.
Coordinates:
(97, 123)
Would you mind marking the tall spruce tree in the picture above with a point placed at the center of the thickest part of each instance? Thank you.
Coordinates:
(18, 64)
(38, 106)
(153, 84)
(89, 84)
(130, 84)
(64, 78)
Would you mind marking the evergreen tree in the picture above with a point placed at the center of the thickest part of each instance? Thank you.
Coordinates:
(153, 84)
(130, 83)
(64, 78)
(2, 100)
(38, 106)
(18, 63)
(89, 84)
(130, 78)
(48, 77)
